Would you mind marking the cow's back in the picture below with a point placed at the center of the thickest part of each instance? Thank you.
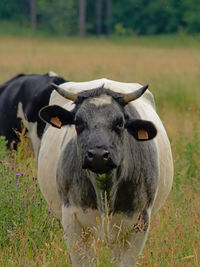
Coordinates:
(20, 100)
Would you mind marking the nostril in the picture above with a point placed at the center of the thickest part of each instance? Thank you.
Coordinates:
(106, 155)
(98, 160)
(98, 154)
(90, 155)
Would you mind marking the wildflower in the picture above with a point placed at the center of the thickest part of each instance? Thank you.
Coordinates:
(12, 167)
(49, 211)
(29, 188)
(39, 203)
(34, 178)
(18, 174)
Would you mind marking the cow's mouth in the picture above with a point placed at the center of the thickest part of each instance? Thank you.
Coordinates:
(98, 168)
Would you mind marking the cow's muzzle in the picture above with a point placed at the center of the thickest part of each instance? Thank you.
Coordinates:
(98, 160)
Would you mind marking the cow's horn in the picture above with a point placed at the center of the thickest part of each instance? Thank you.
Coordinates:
(66, 94)
(135, 94)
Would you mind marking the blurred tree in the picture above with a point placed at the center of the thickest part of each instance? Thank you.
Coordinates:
(14, 10)
(58, 16)
(69, 17)
(149, 16)
(99, 17)
(108, 16)
(191, 15)
(33, 16)
(82, 18)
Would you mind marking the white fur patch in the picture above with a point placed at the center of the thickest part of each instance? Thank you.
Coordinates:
(32, 129)
(119, 87)
(52, 74)
(109, 84)
(102, 100)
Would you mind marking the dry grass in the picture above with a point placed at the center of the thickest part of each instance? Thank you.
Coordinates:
(173, 75)
(81, 60)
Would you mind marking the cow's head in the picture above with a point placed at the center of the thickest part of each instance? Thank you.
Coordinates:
(100, 120)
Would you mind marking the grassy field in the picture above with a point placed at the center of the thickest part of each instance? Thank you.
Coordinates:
(30, 235)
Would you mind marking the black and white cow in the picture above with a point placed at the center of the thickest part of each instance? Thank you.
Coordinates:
(108, 151)
(21, 98)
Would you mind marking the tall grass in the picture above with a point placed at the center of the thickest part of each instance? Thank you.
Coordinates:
(175, 231)
(30, 234)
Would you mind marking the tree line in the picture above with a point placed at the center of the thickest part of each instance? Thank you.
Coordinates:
(90, 17)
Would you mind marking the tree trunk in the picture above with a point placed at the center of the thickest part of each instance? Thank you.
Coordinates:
(82, 18)
(98, 17)
(108, 16)
(33, 16)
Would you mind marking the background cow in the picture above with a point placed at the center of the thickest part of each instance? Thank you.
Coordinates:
(20, 100)
(105, 155)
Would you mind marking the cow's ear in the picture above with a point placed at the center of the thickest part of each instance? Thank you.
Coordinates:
(56, 116)
(141, 130)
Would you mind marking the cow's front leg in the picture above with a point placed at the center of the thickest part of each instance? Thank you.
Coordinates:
(75, 237)
(134, 238)
(133, 249)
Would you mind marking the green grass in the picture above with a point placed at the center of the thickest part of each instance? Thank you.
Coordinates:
(17, 29)
(181, 39)
(30, 235)
(177, 223)
(29, 230)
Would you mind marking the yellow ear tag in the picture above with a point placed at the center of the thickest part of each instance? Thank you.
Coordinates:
(143, 135)
(56, 122)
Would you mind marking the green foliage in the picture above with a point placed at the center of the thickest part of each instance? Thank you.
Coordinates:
(17, 10)
(143, 17)
(120, 30)
(191, 16)
(58, 16)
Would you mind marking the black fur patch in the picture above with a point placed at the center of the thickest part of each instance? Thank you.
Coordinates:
(136, 182)
(99, 91)
(73, 183)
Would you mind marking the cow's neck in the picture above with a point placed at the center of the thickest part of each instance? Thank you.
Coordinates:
(105, 186)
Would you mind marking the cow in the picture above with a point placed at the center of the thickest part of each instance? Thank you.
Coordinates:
(21, 98)
(105, 159)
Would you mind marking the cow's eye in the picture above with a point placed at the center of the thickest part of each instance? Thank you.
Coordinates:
(79, 124)
(118, 124)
